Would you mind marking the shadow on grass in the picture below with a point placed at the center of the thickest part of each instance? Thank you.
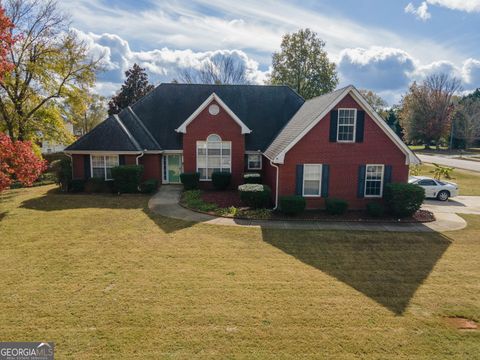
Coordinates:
(168, 225)
(386, 267)
(3, 214)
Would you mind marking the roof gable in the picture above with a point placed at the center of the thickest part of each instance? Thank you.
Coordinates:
(213, 97)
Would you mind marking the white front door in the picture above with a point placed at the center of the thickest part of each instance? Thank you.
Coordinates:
(172, 168)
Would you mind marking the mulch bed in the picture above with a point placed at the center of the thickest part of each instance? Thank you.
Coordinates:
(223, 199)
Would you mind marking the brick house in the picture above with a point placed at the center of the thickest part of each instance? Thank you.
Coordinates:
(333, 145)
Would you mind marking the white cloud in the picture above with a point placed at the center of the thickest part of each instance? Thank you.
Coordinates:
(471, 73)
(420, 12)
(461, 5)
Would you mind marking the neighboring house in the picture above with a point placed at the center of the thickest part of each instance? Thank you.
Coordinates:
(50, 147)
(334, 145)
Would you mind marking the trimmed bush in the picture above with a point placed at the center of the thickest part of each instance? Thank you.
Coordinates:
(255, 195)
(403, 199)
(98, 185)
(63, 172)
(375, 209)
(252, 178)
(149, 186)
(336, 206)
(292, 205)
(127, 178)
(190, 180)
(221, 180)
(77, 185)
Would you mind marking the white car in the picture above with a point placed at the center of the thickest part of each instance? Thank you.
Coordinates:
(442, 190)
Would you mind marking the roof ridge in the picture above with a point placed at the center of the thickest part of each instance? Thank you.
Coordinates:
(130, 136)
(137, 118)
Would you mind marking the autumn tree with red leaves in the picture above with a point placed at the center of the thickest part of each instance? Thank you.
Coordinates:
(6, 42)
(18, 162)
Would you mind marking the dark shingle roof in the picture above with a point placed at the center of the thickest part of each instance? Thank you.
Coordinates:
(152, 120)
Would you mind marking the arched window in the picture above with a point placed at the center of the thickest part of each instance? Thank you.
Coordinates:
(213, 155)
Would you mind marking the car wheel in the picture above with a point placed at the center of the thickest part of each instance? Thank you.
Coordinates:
(443, 195)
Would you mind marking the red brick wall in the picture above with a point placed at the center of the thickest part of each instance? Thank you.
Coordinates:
(224, 126)
(131, 159)
(152, 166)
(78, 167)
(343, 158)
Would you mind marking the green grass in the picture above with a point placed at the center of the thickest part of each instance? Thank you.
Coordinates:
(104, 278)
(444, 150)
(468, 181)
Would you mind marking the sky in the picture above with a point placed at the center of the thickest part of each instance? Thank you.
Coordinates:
(379, 45)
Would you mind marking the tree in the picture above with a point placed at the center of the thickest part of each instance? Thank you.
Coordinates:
(218, 70)
(392, 119)
(50, 62)
(375, 101)
(467, 121)
(85, 110)
(136, 85)
(303, 64)
(6, 42)
(427, 109)
(18, 162)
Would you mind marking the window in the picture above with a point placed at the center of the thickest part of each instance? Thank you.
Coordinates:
(102, 166)
(427, 182)
(374, 180)
(213, 155)
(347, 119)
(312, 179)
(254, 161)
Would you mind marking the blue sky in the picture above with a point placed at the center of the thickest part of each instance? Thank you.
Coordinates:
(377, 44)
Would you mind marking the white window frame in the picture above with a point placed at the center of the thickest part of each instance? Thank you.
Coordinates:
(206, 154)
(248, 162)
(381, 181)
(354, 125)
(319, 182)
(104, 164)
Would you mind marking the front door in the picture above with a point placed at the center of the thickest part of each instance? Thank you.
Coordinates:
(174, 168)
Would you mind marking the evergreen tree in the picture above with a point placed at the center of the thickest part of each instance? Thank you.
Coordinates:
(136, 86)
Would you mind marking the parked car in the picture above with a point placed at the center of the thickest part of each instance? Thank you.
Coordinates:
(439, 189)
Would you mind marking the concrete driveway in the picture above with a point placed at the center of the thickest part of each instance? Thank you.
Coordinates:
(458, 205)
(449, 161)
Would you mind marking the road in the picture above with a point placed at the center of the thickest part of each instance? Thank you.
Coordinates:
(448, 161)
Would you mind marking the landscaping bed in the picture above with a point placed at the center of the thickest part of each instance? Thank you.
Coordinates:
(228, 204)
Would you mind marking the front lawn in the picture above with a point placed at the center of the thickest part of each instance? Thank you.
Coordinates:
(468, 181)
(104, 278)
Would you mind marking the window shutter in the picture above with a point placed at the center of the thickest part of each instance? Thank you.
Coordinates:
(86, 166)
(121, 159)
(360, 126)
(361, 181)
(333, 125)
(387, 176)
(299, 183)
(325, 177)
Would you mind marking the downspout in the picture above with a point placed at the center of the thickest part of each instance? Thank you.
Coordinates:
(139, 156)
(276, 185)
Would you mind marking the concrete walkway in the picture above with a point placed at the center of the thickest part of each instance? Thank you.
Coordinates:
(449, 161)
(165, 203)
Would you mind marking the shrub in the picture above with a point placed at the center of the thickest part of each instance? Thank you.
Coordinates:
(221, 180)
(336, 206)
(190, 180)
(149, 186)
(193, 199)
(127, 178)
(252, 178)
(77, 185)
(375, 209)
(292, 205)
(255, 195)
(403, 199)
(98, 185)
(63, 172)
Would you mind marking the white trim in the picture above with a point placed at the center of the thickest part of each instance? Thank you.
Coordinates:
(410, 157)
(319, 182)
(172, 152)
(183, 128)
(276, 184)
(381, 181)
(104, 165)
(102, 152)
(354, 125)
(253, 152)
(248, 161)
(206, 154)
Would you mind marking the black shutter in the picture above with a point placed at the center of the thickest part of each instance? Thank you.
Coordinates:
(333, 125)
(121, 159)
(299, 183)
(361, 181)
(86, 166)
(325, 177)
(360, 126)
(387, 175)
